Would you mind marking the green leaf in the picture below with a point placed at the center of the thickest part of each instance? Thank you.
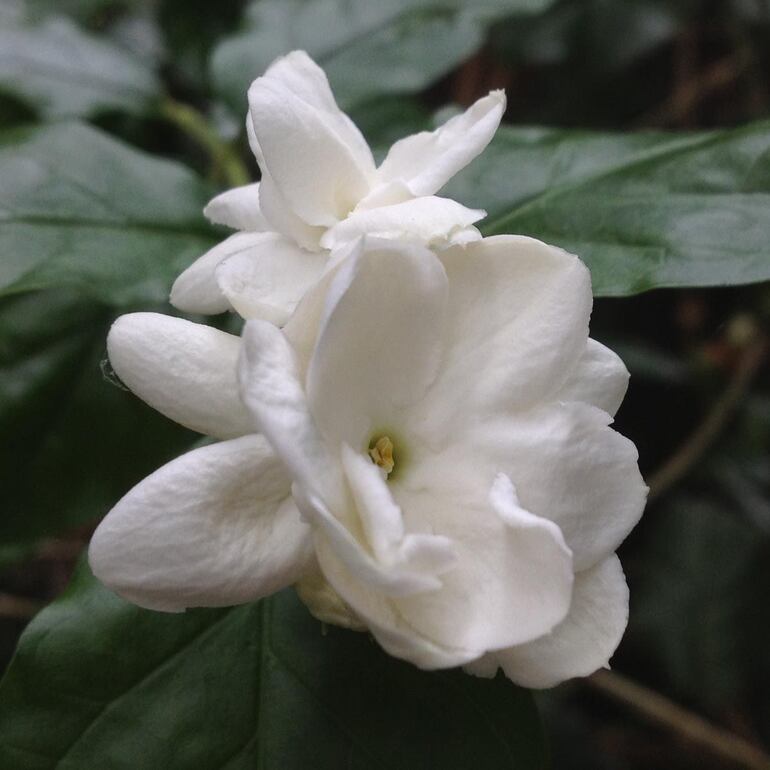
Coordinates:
(61, 70)
(643, 210)
(367, 49)
(97, 682)
(73, 442)
(80, 209)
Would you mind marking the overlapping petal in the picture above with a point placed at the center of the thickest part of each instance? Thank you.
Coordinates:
(582, 643)
(196, 289)
(269, 279)
(186, 371)
(212, 528)
(385, 310)
(517, 324)
(432, 221)
(570, 467)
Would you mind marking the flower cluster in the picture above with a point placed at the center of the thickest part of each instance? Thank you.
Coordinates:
(413, 427)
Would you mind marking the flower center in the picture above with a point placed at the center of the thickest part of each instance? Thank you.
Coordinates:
(381, 452)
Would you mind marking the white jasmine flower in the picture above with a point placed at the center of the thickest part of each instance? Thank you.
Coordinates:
(435, 465)
(320, 189)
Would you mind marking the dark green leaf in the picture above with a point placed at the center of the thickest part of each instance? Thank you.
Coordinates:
(97, 682)
(367, 49)
(642, 210)
(62, 70)
(73, 442)
(80, 209)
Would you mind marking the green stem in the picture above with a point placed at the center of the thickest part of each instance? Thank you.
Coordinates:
(223, 157)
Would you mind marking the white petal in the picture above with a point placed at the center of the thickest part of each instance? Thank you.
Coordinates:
(513, 578)
(268, 280)
(186, 371)
(517, 323)
(300, 75)
(282, 219)
(212, 528)
(310, 149)
(379, 612)
(380, 340)
(570, 467)
(433, 221)
(600, 378)
(428, 160)
(238, 208)
(272, 390)
(196, 289)
(582, 643)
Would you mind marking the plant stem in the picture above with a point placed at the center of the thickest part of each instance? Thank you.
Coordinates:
(701, 439)
(661, 711)
(224, 158)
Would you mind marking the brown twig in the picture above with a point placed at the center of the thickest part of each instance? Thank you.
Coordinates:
(688, 454)
(659, 710)
(17, 607)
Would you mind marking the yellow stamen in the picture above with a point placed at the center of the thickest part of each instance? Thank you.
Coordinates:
(382, 454)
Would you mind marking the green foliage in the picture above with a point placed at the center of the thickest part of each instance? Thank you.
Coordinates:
(83, 210)
(61, 70)
(367, 49)
(642, 210)
(263, 685)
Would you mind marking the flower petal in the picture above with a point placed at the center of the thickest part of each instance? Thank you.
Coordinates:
(513, 578)
(316, 157)
(186, 371)
(582, 643)
(428, 160)
(196, 289)
(212, 528)
(600, 378)
(268, 280)
(268, 372)
(237, 208)
(433, 221)
(517, 323)
(379, 344)
(282, 219)
(570, 467)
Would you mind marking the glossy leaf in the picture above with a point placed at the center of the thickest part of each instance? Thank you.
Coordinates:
(61, 70)
(80, 209)
(643, 210)
(367, 49)
(97, 682)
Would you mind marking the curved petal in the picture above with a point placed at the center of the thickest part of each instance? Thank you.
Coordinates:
(212, 528)
(268, 373)
(518, 312)
(310, 150)
(279, 214)
(186, 371)
(301, 76)
(582, 643)
(268, 280)
(237, 208)
(570, 467)
(428, 160)
(196, 289)
(379, 344)
(433, 221)
(381, 617)
(513, 578)
(600, 378)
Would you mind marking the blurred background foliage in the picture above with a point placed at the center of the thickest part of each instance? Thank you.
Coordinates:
(168, 77)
